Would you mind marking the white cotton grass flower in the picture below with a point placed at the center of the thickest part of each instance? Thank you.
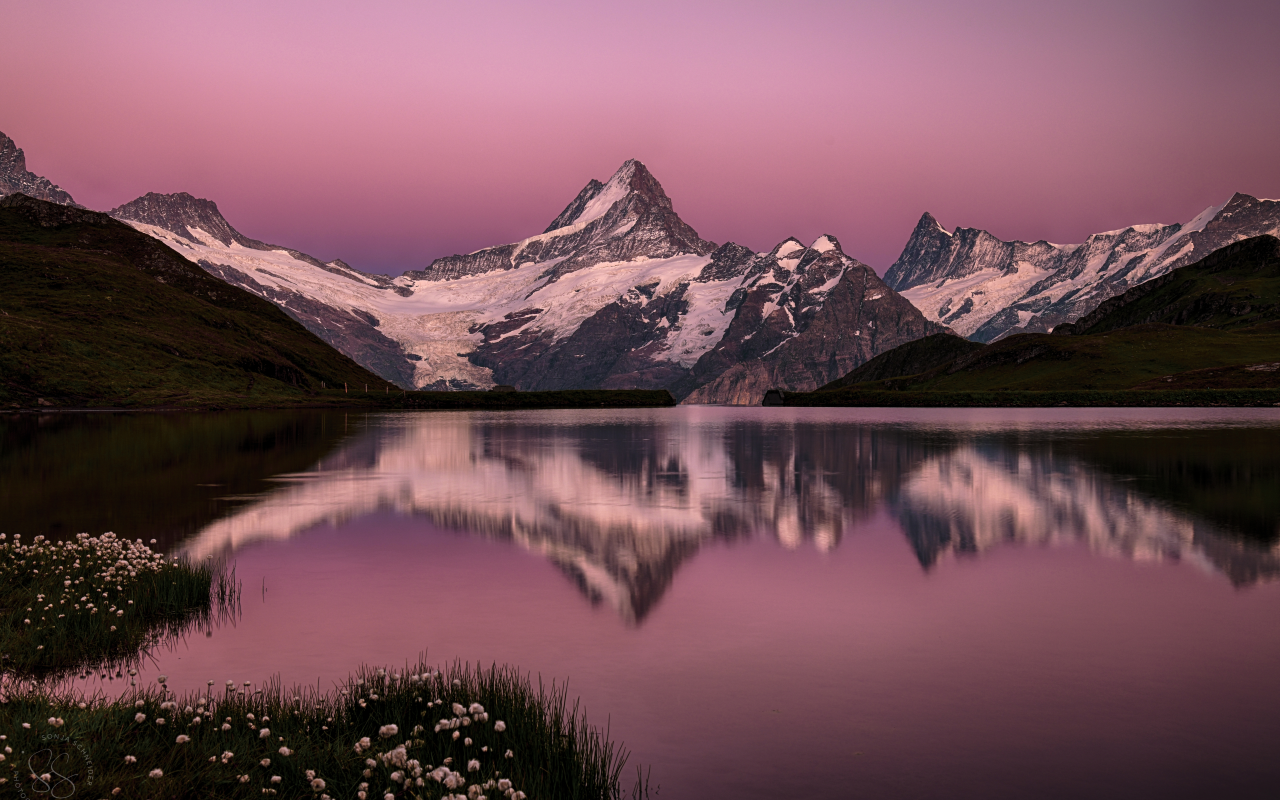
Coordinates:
(387, 731)
(266, 762)
(156, 773)
(499, 726)
(275, 778)
(475, 708)
(139, 717)
(508, 754)
(284, 751)
(317, 785)
(131, 759)
(244, 778)
(183, 738)
(363, 744)
(473, 766)
(459, 709)
(264, 733)
(55, 722)
(226, 726)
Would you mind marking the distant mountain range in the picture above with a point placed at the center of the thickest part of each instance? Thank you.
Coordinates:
(985, 288)
(1214, 324)
(619, 292)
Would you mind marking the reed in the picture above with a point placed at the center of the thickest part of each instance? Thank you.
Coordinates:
(416, 732)
(99, 603)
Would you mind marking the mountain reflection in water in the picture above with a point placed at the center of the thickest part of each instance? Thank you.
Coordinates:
(619, 502)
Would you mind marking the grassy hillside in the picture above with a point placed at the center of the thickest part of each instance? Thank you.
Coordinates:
(911, 358)
(93, 313)
(1213, 326)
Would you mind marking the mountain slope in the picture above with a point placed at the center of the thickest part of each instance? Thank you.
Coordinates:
(912, 358)
(93, 313)
(14, 177)
(986, 288)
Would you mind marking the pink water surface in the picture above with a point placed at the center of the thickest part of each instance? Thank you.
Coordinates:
(769, 672)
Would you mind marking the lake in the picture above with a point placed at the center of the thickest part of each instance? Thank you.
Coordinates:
(759, 602)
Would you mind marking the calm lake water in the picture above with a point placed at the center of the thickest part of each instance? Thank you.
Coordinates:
(758, 602)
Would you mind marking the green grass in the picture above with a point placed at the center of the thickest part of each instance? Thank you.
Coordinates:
(543, 746)
(97, 602)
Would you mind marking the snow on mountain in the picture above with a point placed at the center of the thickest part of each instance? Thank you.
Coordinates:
(985, 288)
(618, 292)
(14, 177)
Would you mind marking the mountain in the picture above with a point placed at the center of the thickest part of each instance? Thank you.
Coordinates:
(618, 293)
(803, 316)
(14, 177)
(93, 313)
(1213, 324)
(1235, 287)
(985, 288)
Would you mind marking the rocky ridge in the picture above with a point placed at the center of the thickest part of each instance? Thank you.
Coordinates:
(986, 288)
(15, 178)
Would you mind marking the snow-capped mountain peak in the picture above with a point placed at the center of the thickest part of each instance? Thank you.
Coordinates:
(182, 214)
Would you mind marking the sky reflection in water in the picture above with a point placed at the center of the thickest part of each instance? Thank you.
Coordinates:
(854, 603)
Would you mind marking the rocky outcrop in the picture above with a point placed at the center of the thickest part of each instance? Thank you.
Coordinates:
(16, 178)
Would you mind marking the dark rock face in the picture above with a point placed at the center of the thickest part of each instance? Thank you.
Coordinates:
(639, 222)
(575, 208)
(801, 322)
(986, 288)
(15, 178)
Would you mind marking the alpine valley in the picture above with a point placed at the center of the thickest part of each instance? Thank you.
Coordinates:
(618, 292)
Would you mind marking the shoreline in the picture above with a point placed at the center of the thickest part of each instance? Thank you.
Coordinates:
(1067, 398)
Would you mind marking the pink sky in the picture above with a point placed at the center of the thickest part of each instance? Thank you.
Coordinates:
(388, 134)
